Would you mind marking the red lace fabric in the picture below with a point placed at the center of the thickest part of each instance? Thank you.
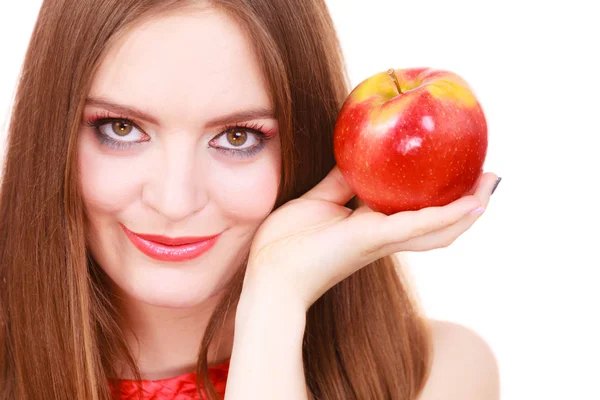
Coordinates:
(182, 387)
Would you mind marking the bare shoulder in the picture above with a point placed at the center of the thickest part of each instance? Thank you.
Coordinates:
(464, 366)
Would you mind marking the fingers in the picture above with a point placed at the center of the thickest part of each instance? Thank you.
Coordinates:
(381, 235)
(332, 188)
(404, 226)
(425, 229)
(446, 236)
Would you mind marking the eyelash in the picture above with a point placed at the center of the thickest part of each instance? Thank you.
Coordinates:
(100, 119)
(255, 128)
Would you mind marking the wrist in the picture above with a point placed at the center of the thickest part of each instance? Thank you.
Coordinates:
(266, 359)
(270, 304)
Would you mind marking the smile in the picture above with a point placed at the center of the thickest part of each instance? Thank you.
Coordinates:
(163, 248)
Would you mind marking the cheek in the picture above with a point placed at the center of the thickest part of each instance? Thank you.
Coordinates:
(246, 193)
(108, 184)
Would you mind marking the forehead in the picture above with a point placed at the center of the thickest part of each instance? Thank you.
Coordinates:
(187, 65)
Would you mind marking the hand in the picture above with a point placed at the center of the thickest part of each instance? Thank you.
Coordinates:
(311, 243)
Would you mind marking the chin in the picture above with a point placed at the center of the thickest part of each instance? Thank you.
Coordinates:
(171, 287)
(173, 298)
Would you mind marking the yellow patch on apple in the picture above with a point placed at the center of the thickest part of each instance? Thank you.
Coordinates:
(449, 89)
(378, 85)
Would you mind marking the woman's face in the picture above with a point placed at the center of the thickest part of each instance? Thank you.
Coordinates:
(178, 143)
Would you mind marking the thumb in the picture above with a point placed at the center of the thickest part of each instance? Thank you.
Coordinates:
(332, 188)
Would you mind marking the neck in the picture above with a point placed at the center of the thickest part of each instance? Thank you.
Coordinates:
(165, 342)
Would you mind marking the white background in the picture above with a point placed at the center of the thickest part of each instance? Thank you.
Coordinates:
(525, 276)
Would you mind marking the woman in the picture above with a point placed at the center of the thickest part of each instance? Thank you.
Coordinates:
(174, 224)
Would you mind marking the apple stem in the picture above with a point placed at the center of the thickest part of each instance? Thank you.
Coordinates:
(392, 74)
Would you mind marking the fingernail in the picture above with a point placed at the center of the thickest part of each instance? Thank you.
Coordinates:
(496, 185)
(477, 210)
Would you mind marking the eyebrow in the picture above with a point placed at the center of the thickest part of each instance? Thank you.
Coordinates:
(238, 116)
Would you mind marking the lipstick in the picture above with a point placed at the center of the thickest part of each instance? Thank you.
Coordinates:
(164, 248)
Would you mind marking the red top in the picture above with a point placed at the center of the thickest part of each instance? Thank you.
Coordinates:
(182, 387)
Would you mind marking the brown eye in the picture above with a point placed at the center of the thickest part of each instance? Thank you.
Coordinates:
(121, 128)
(237, 138)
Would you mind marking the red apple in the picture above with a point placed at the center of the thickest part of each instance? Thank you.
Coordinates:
(407, 139)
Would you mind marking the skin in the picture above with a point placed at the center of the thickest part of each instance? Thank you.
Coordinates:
(174, 184)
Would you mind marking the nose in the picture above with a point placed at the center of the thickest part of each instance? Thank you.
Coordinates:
(174, 189)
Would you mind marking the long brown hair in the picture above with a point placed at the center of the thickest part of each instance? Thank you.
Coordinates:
(60, 334)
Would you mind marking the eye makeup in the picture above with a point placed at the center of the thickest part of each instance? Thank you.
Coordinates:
(101, 120)
(260, 135)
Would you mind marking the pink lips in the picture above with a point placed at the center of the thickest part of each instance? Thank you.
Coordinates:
(171, 249)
